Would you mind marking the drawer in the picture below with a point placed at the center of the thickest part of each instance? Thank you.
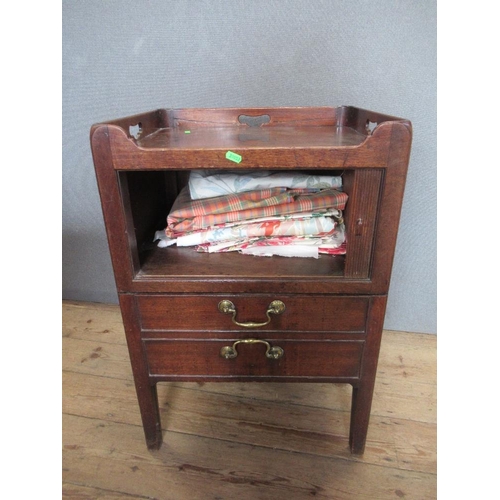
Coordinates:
(298, 358)
(320, 313)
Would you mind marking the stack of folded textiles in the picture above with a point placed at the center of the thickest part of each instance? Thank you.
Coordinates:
(259, 213)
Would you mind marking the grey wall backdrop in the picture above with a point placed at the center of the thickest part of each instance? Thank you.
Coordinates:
(125, 57)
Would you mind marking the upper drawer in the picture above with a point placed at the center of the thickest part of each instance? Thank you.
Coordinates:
(319, 313)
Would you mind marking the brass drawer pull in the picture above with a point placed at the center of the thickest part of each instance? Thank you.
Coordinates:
(275, 307)
(230, 352)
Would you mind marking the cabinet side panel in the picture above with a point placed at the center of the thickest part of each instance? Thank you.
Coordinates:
(112, 207)
(390, 206)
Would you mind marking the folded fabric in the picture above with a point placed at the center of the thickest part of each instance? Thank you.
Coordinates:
(262, 213)
(341, 250)
(333, 244)
(292, 251)
(286, 251)
(209, 183)
(326, 212)
(313, 226)
(188, 215)
(184, 209)
(163, 240)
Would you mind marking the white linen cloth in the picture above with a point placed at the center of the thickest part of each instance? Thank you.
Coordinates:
(210, 183)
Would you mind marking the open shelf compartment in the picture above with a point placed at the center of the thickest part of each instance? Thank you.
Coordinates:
(148, 197)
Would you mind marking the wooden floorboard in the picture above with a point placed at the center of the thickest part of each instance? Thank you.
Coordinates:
(241, 440)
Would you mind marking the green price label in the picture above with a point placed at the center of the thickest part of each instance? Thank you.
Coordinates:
(233, 157)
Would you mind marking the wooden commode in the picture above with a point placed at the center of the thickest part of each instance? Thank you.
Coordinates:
(192, 316)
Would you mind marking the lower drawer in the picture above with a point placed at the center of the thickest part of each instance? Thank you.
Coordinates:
(254, 358)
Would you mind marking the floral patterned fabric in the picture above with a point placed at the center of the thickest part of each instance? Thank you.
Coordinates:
(312, 226)
(287, 246)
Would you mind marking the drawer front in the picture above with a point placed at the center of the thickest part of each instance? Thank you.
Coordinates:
(298, 358)
(321, 313)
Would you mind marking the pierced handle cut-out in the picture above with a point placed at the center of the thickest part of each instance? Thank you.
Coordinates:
(254, 121)
(135, 130)
(370, 126)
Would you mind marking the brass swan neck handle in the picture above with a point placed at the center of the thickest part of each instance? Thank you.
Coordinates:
(230, 352)
(275, 307)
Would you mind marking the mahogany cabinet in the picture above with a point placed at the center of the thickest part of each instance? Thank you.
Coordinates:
(192, 316)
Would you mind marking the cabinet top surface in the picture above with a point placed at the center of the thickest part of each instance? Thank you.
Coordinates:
(251, 128)
(250, 137)
(319, 137)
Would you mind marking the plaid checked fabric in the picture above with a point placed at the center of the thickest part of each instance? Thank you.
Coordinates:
(188, 215)
(185, 208)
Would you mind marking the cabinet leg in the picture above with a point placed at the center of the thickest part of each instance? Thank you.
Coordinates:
(362, 394)
(146, 392)
(360, 416)
(150, 413)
